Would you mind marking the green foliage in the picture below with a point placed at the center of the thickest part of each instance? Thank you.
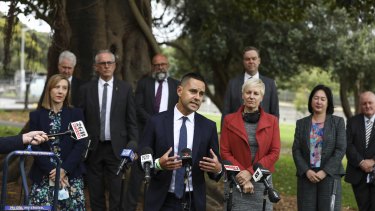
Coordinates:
(287, 135)
(305, 81)
(8, 131)
(36, 50)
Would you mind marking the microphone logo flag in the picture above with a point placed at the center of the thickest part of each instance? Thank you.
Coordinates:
(79, 130)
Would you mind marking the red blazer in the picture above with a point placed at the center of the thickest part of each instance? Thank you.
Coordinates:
(234, 145)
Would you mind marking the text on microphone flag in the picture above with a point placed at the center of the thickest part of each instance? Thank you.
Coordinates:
(79, 129)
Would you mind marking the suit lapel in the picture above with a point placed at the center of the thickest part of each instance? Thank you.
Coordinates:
(169, 130)
(197, 135)
(115, 93)
(306, 131)
(151, 84)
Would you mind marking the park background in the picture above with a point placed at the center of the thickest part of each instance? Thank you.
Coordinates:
(302, 42)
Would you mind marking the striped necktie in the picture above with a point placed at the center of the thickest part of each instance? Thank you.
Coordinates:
(368, 131)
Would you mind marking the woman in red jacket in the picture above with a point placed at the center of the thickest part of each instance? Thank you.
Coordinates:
(249, 137)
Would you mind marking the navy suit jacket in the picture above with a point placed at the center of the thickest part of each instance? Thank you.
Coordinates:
(123, 121)
(145, 98)
(158, 135)
(233, 96)
(11, 143)
(71, 150)
(357, 151)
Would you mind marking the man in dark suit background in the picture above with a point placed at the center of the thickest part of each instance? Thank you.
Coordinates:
(233, 100)
(110, 116)
(155, 93)
(165, 133)
(361, 152)
(10, 143)
(66, 65)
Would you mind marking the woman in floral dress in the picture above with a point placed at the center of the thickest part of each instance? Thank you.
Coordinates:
(54, 117)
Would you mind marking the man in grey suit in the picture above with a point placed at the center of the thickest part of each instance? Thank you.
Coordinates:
(233, 100)
(154, 94)
(361, 152)
(110, 116)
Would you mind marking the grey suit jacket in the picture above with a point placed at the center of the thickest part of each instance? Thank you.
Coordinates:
(334, 145)
(233, 96)
(357, 151)
(122, 118)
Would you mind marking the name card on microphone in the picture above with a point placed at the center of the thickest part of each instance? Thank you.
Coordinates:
(257, 175)
(147, 158)
(231, 168)
(79, 130)
(128, 153)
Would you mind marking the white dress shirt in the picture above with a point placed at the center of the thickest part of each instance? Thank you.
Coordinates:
(164, 95)
(247, 76)
(177, 122)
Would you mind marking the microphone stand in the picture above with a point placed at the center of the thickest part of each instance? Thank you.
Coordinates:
(185, 205)
(122, 188)
(230, 196)
(265, 193)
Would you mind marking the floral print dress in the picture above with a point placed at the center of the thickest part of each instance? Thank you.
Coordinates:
(42, 193)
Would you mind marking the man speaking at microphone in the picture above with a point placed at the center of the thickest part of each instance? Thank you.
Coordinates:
(169, 132)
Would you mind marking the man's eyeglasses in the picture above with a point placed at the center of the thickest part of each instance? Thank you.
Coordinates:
(160, 65)
(109, 63)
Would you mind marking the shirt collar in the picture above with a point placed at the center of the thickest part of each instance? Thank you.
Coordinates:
(178, 115)
(247, 75)
(102, 82)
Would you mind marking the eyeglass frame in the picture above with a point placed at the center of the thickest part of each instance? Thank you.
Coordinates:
(109, 63)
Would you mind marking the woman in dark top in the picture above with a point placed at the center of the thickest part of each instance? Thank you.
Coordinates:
(54, 117)
(318, 148)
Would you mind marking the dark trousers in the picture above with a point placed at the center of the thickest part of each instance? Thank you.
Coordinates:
(364, 195)
(103, 164)
(134, 187)
(172, 203)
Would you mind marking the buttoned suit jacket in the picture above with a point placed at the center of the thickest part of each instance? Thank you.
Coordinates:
(123, 123)
(334, 146)
(71, 150)
(357, 151)
(145, 98)
(158, 135)
(11, 143)
(233, 96)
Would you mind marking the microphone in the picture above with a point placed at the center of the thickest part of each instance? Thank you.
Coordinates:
(127, 155)
(76, 130)
(187, 161)
(147, 162)
(232, 171)
(261, 175)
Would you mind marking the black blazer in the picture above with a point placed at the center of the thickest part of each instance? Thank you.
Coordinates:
(356, 151)
(122, 118)
(71, 150)
(233, 96)
(334, 145)
(74, 91)
(11, 143)
(145, 98)
(158, 135)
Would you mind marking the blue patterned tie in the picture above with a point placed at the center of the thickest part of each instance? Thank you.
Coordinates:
(179, 178)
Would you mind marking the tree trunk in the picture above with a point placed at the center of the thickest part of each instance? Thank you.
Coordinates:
(344, 98)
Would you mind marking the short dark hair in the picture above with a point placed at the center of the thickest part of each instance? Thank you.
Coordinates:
(193, 75)
(328, 92)
(251, 48)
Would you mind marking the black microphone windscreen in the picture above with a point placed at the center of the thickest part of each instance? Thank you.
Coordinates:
(132, 145)
(256, 166)
(146, 150)
(186, 152)
(227, 162)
